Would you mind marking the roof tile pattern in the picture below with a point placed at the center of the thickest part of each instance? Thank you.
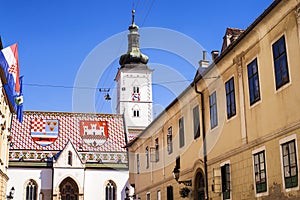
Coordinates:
(69, 129)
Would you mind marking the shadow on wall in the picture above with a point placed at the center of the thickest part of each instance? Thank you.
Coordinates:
(46, 185)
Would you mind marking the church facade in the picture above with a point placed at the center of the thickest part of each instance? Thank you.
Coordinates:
(76, 156)
(58, 155)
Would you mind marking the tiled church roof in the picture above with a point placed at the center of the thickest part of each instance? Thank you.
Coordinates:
(69, 128)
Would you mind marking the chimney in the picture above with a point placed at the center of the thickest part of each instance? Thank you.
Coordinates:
(214, 54)
(203, 63)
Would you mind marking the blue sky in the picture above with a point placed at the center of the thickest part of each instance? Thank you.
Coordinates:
(57, 38)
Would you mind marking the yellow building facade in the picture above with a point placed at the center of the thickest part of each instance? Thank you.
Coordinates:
(5, 124)
(234, 133)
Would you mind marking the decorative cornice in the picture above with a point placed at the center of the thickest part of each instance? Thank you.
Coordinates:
(278, 133)
(28, 156)
(75, 114)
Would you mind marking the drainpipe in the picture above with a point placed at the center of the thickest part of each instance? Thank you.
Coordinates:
(203, 137)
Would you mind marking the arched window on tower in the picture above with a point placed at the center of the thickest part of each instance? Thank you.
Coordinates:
(110, 191)
(70, 158)
(136, 111)
(31, 190)
(136, 89)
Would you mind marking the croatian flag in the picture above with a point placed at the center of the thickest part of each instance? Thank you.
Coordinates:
(10, 68)
(10, 65)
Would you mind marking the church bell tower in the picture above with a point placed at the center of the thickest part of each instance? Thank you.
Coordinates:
(134, 85)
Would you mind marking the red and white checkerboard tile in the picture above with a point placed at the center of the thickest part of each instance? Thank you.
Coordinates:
(38, 125)
(68, 130)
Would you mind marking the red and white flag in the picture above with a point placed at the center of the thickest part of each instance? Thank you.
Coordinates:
(10, 65)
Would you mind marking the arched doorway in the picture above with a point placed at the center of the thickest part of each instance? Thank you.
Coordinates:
(68, 189)
(199, 186)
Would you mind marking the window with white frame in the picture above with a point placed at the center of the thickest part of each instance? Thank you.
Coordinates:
(213, 110)
(156, 150)
(158, 195)
(169, 140)
(280, 63)
(289, 164)
(253, 82)
(137, 163)
(181, 132)
(225, 178)
(260, 175)
(196, 120)
(148, 197)
(230, 98)
(147, 157)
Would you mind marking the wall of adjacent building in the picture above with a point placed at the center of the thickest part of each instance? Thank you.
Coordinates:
(5, 121)
(262, 126)
(274, 117)
(159, 174)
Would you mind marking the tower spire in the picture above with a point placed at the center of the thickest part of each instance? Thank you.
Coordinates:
(134, 83)
(133, 55)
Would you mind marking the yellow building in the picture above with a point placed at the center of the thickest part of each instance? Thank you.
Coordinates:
(234, 133)
(5, 121)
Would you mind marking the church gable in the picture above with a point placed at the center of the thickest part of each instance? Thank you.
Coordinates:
(68, 157)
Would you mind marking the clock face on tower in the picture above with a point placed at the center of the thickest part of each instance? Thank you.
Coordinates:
(136, 96)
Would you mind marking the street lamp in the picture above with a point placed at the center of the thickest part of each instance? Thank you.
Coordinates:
(176, 174)
(128, 197)
(127, 193)
(105, 90)
(11, 193)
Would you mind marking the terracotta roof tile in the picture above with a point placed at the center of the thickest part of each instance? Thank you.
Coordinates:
(69, 126)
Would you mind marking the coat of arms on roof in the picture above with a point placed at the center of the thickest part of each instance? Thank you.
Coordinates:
(43, 131)
(94, 133)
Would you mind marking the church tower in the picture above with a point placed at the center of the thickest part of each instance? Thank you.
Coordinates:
(134, 85)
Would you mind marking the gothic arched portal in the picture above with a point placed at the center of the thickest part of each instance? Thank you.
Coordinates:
(68, 189)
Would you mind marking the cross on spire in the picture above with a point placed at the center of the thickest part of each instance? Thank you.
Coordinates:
(132, 13)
